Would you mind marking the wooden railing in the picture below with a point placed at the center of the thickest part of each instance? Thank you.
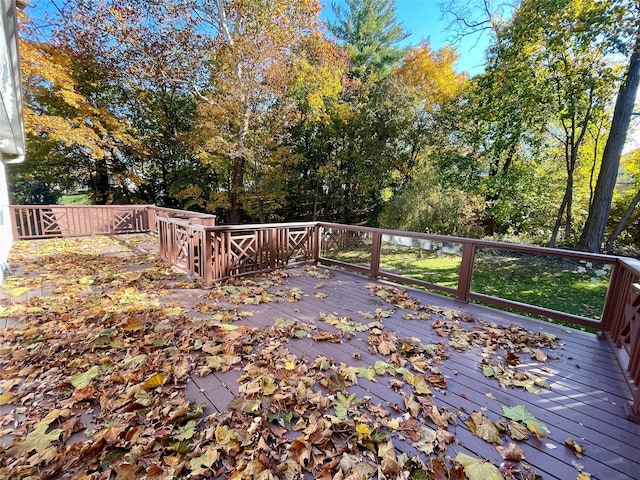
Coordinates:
(620, 316)
(48, 221)
(212, 253)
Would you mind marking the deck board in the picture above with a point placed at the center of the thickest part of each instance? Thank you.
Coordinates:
(585, 400)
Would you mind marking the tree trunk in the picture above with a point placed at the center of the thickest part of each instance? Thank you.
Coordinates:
(623, 222)
(237, 185)
(593, 233)
(101, 187)
(556, 227)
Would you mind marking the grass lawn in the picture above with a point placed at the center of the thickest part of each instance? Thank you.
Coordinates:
(78, 199)
(569, 286)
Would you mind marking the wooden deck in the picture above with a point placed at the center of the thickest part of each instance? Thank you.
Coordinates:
(585, 399)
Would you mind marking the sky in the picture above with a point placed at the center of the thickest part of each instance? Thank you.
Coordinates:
(424, 20)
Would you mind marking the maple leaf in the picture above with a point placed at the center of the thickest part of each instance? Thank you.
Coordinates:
(226, 436)
(412, 406)
(202, 464)
(81, 380)
(477, 469)
(38, 439)
(513, 452)
(418, 383)
(154, 381)
(518, 431)
(484, 428)
(521, 414)
(186, 432)
(342, 404)
(389, 462)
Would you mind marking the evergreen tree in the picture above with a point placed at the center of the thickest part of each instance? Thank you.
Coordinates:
(370, 32)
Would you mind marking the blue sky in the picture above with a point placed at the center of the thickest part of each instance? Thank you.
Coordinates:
(423, 19)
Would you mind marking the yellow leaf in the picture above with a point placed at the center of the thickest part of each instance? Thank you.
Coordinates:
(269, 386)
(172, 311)
(476, 469)
(226, 436)
(17, 292)
(154, 381)
(393, 424)
(363, 430)
(6, 398)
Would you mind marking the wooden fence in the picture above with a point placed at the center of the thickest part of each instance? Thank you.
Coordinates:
(213, 253)
(48, 221)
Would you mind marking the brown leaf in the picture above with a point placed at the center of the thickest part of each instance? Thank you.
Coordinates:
(389, 463)
(513, 452)
(511, 358)
(517, 431)
(439, 470)
(579, 449)
(484, 428)
(540, 356)
(126, 471)
(412, 406)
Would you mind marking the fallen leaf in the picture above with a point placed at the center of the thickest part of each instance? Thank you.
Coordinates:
(579, 449)
(81, 380)
(154, 381)
(38, 439)
(484, 428)
(476, 469)
(540, 356)
(517, 431)
(513, 452)
(389, 462)
(521, 414)
(6, 398)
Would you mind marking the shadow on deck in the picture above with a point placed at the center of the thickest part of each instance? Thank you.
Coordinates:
(300, 373)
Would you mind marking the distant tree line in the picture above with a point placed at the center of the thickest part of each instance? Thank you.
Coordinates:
(258, 112)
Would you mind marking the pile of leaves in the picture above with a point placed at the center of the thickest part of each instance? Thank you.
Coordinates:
(93, 380)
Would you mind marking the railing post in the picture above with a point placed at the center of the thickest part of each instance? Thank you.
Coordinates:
(151, 218)
(466, 271)
(376, 251)
(14, 222)
(273, 248)
(316, 243)
(206, 258)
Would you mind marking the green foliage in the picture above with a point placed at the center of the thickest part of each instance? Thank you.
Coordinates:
(422, 206)
(369, 30)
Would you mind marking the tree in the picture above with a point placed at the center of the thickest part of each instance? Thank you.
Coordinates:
(369, 31)
(593, 232)
(631, 167)
(70, 127)
(234, 59)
